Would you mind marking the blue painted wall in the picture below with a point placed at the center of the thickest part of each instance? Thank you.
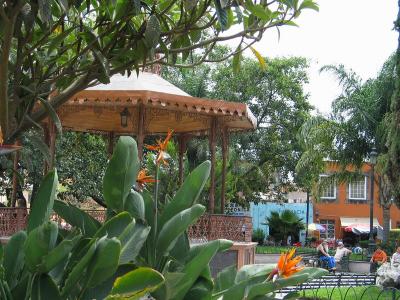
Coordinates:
(261, 211)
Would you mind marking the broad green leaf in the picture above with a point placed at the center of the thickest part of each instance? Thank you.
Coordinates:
(57, 40)
(136, 284)
(153, 30)
(52, 114)
(42, 205)
(223, 245)
(39, 243)
(78, 271)
(188, 193)
(221, 14)
(201, 290)
(102, 290)
(13, 261)
(173, 228)
(120, 9)
(121, 173)
(103, 63)
(260, 59)
(134, 204)
(225, 279)
(64, 5)
(309, 4)
(104, 262)
(44, 10)
(59, 253)
(77, 217)
(236, 60)
(132, 240)
(249, 271)
(181, 249)
(115, 226)
(258, 10)
(192, 269)
(44, 288)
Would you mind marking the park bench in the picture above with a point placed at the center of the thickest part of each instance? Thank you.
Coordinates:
(334, 280)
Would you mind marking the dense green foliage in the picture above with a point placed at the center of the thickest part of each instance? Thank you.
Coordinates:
(358, 124)
(60, 47)
(141, 248)
(264, 160)
(258, 236)
(283, 224)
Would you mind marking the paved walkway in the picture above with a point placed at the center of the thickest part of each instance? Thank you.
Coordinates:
(266, 258)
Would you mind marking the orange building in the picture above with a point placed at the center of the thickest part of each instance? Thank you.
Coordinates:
(343, 204)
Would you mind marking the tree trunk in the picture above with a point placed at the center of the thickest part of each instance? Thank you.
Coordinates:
(386, 222)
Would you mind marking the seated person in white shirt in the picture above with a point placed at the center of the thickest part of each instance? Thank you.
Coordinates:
(396, 258)
(341, 251)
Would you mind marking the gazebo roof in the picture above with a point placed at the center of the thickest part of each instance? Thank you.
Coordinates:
(165, 106)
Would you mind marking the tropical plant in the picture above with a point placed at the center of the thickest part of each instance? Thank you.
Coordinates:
(358, 124)
(141, 248)
(258, 236)
(50, 50)
(283, 224)
(261, 161)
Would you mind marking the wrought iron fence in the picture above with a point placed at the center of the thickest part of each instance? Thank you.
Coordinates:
(343, 286)
(371, 292)
(212, 227)
(12, 220)
(208, 227)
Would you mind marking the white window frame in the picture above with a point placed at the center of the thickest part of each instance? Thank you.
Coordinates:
(365, 190)
(334, 189)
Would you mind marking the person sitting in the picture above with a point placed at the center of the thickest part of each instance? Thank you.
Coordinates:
(323, 254)
(378, 258)
(341, 251)
(396, 258)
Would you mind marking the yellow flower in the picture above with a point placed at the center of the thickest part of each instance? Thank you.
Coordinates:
(142, 179)
(161, 148)
(287, 264)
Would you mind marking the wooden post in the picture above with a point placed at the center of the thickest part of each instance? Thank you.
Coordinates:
(225, 151)
(15, 178)
(140, 131)
(110, 149)
(212, 140)
(182, 149)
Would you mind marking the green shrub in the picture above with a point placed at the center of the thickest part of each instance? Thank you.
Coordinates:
(258, 236)
(140, 249)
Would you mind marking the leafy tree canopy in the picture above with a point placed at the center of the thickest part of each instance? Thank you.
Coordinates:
(60, 47)
(265, 158)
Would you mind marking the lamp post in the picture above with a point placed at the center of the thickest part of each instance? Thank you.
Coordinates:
(371, 245)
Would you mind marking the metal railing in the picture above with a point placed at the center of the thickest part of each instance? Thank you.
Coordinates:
(208, 227)
(212, 227)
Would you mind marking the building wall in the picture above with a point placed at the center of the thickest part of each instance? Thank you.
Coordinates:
(340, 207)
(259, 212)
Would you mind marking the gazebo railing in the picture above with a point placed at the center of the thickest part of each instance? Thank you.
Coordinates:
(208, 227)
(12, 220)
(211, 227)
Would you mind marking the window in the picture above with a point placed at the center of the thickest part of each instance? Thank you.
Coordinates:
(358, 189)
(329, 226)
(328, 187)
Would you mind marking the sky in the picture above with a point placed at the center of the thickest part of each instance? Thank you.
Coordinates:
(356, 33)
